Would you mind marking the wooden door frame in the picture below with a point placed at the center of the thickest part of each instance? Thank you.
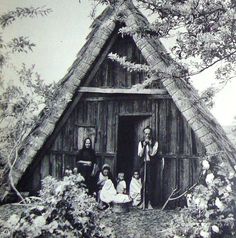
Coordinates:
(139, 115)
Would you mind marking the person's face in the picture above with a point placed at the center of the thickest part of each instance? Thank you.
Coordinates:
(121, 176)
(136, 175)
(105, 172)
(87, 144)
(147, 134)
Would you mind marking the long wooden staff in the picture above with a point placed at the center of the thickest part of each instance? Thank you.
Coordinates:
(144, 179)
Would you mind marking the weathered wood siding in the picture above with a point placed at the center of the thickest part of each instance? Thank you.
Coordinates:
(98, 116)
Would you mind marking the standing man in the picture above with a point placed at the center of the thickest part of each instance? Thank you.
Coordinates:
(147, 149)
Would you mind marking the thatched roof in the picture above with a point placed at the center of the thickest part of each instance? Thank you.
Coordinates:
(183, 94)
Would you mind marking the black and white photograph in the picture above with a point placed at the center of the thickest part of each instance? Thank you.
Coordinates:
(117, 118)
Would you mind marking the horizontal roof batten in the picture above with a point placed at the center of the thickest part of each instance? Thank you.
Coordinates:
(122, 91)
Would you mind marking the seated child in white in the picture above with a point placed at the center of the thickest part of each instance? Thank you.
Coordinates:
(135, 189)
(108, 194)
(121, 187)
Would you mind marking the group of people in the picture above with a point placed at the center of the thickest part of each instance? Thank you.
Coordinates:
(108, 189)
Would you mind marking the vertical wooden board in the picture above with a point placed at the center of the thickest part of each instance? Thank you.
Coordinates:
(79, 119)
(194, 143)
(69, 162)
(180, 134)
(44, 167)
(89, 116)
(130, 106)
(158, 175)
(184, 174)
(85, 112)
(153, 119)
(174, 129)
(108, 73)
(180, 174)
(75, 138)
(136, 103)
(157, 183)
(68, 135)
(143, 107)
(58, 166)
(52, 167)
(188, 139)
(110, 119)
(98, 144)
(115, 124)
(195, 168)
(156, 113)
(169, 180)
(134, 78)
(166, 188)
(104, 75)
(169, 120)
(162, 127)
(130, 58)
(57, 144)
(71, 132)
(36, 179)
(103, 126)
(149, 105)
(173, 178)
(188, 150)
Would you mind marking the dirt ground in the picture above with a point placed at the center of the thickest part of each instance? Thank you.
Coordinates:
(140, 223)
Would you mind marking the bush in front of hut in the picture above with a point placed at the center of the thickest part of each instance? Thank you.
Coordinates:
(63, 209)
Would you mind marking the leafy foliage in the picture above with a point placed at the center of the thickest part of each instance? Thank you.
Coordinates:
(129, 65)
(19, 102)
(20, 44)
(211, 208)
(64, 210)
(9, 17)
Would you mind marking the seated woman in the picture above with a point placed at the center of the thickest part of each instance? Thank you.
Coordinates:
(121, 184)
(135, 188)
(86, 160)
(100, 178)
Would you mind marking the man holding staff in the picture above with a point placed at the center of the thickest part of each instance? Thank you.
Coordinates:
(147, 149)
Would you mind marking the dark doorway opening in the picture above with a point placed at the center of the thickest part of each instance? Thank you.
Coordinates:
(129, 133)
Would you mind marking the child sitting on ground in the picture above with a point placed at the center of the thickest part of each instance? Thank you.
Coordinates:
(109, 195)
(135, 189)
(121, 187)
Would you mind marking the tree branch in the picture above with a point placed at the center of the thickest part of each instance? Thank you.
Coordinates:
(215, 62)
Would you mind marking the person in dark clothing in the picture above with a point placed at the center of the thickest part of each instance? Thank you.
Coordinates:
(147, 150)
(86, 160)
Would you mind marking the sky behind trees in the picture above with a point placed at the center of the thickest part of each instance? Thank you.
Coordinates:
(59, 37)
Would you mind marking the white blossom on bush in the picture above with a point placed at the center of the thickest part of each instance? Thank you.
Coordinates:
(215, 229)
(209, 179)
(205, 165)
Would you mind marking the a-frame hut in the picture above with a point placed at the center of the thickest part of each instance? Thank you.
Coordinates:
(97, 98)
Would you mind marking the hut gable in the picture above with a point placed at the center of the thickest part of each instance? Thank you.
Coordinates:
(97, 98)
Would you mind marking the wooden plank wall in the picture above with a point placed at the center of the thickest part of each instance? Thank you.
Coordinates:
(177, 143)
(112, 75)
